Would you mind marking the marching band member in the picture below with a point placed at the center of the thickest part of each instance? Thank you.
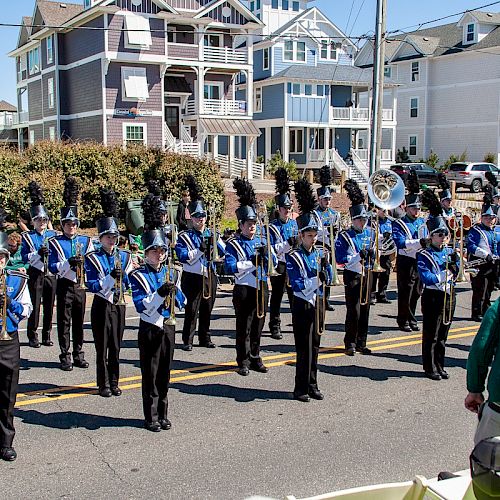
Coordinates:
(495, 194)
(283, 232)
(380, 281)
(107, 279)
(66, 261)
(407, 233)
(199, 278)
(354, 248)
(310, 272)
(437, 269)
(445, 197)
(155, 291)
(246, 258)
(41, 283)
(482, 243)
(15, 302)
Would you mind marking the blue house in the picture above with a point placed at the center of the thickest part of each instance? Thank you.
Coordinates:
(309, 100)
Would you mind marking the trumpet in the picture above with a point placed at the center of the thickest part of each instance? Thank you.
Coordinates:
(80, 270)
(4, 334)
(119, 280)
(320, 317)
(335, 279)
(365, 281)
(45, 244)
(212, 258)
(458, 224)
(170, 299)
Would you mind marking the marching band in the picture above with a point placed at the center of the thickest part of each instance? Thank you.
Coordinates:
(183, 263)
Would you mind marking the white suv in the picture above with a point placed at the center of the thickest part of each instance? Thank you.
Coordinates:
(471, 175)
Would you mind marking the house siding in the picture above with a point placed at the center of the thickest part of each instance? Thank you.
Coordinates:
(273, 103)
(45, 89)
(81, 43)
(43, 55)
(46, 127)
(307, 109)
(83, 129)
(38, 129)
(154, 124)
(147, 6)
(259, 72)
(80, 89)
(35, 100)
(280, 64)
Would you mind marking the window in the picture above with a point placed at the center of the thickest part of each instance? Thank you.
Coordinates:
(213, 41)
(213, 90)
(171, 34)
(295, 51)
(412, 143)
(320, 90)
(50, 93)
(308, 89)
(52, 134)
(328, 50)
(274, 4)
(134, 134)
(32, 137)
(470, 35)
(50, 49)
(288, 51)
(296, 89)
(86, 4)
(33, 61)
(265, 59)
(138, 32)
(134, 84)
(252, 6)
(387, 71)
(284, 4)
(415, 71)
(296, 140)
(295, 6)
(258, 100)
(301, 51)
(318, 138)
(414, 107)
(258, 4)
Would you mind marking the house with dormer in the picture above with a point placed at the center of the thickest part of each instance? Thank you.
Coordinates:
(155, 72)
(449, 92)
(308, 92)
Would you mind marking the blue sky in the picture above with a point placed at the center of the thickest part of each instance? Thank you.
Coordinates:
(400, 14)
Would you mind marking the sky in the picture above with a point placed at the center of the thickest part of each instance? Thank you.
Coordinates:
(353, 17)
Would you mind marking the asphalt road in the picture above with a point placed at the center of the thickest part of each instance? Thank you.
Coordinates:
(233, 437)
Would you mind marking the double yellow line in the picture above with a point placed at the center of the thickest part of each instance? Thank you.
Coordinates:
(215, 370)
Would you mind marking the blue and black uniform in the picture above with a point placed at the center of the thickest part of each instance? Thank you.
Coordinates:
(41, 284)
(71, 299)
(309, 273)
(156, 337)
(107, 317)
(380, 281)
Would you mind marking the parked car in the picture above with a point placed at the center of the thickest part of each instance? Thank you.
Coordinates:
(471, 175)
(426, 175)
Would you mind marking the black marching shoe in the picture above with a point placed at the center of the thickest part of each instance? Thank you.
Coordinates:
(243, 371)
(8, 454)
(404, 328)
(276, 334)
(477, 318)
(66, 366)
(364, 350)
(444, 374)
(47, 342)
(259, 367)
(80, 363)
(105, 392)
(165, 424)
(303, 398)
(414, 327)
(34, 343)
(116, 391)
(373, 302)
(328, 306)
(208, 344)
(383, 300)
(350, 351)
(433, 375)
(316, 394)
(152, 426)
(187, 347)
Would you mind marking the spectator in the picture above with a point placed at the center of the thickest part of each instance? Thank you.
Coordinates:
(484, 351)
(137, 259)
(122, 242)
(15, 262)
(183, 218)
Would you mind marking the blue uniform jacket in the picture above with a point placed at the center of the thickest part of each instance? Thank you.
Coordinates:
(145, 282)
(326, 218)
(239, 251)
(302, 269)
(31, 243)
(482, 241)
(280, 232)
(98, 267)
(407, 234)
(189, 253)
(348, 245)
(20, 306)
(431, 265)
(61, 249)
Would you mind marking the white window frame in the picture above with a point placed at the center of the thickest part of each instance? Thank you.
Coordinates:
(134, 72)
(415, 107)
(264, 57)
(295, 143)
(258, 100)
(387, 71)
(285, 50)
(52, 133)
(32, 67)
(50, 49)
(144, 127)
(294, 52)
(31, 137)
(172, 31)
(50, 93)
(134, 37)
(214, 84)
(415, 73)
(467, 33)
(329, 47)
(410, 137)
(220, 36)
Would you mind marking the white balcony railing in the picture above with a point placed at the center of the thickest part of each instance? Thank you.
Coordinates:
(225, 55)
(6, 121)
(385, 154)
(357, 114)
(317, 155)
(21, 117)
(217, 107)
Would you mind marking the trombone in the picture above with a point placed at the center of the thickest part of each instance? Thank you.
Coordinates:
(213, 256)
(80, 270)
(263, 223)
(459, 224)
(320, 317)
(333, 262)
(170, 299)
(4, 335)
(119, 280)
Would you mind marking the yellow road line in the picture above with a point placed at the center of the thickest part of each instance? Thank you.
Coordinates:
(178, 375)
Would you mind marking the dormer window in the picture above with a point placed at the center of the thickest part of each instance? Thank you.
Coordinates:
(470, 33)
(328, 50)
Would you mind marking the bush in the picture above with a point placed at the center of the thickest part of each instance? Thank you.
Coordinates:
(277, 161)
(490, 158)
(449, 161)
(402, 156)
(96, 165)
(433, 159)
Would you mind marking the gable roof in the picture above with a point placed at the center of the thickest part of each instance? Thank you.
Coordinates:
(484, 17)
(53, 14)
(6, 106)
(240, 7)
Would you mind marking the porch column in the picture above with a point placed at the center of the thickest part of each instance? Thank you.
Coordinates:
(250, 143)
(230, 154)
(201, 41)
(250, 92)
(216, 145)
(267, 144)
(285, 145)
(200, 90)
(327, 146)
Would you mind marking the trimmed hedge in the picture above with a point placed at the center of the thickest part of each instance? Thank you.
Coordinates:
(125, 170)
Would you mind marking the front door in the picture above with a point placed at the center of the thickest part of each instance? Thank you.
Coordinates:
(172, 120)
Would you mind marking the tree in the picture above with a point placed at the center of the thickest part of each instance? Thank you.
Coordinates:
(277, 161)
(402, 156)
(433, 159)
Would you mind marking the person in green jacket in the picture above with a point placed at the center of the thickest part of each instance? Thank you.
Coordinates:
(485, 351)
(15, 262)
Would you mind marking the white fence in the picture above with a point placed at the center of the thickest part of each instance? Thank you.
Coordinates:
(225, 55)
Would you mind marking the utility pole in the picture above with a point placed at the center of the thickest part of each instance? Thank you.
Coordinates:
(378, 86)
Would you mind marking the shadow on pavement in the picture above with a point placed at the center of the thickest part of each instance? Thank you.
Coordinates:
(377, 374)
(26, 364)
(407, 358)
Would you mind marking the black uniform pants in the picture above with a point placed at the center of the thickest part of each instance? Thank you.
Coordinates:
(42, 289)
(409, 289)
(197, 307)
(108, 324)
(434, 331)
(483, 285)
(156, 352)
(70, 314)
(279, 285)
(307, 340)
(248, 325)
(9, 379)
(380, 281)
(356, 319)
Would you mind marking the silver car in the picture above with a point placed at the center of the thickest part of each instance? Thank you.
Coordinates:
(471, 175)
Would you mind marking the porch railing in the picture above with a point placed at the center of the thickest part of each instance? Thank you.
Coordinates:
(225, 55)
(357, 114)
(385, 154)
(218, 107)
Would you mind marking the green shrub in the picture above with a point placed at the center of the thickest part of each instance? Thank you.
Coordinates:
(277, 161)
(433, 159)
(490, 158)
(402, 156)
(449, 161)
